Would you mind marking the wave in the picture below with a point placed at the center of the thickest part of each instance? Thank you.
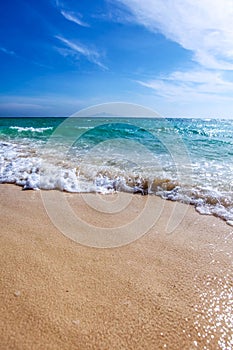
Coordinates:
(33, 173)
(23, 163)
(31, 129)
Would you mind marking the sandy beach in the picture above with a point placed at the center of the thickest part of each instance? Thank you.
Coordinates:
(162, 291)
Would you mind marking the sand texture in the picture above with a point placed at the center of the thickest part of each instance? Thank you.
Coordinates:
(162, 291)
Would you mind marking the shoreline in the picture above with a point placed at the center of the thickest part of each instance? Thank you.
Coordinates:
(160, 291)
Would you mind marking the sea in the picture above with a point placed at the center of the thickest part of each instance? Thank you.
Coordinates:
(179, 159)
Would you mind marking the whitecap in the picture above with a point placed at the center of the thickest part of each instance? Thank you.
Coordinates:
(32, 129)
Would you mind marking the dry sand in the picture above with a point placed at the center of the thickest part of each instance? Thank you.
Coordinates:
(159, 292)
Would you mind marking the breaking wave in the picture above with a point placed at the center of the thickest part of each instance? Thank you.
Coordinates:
(31, 129)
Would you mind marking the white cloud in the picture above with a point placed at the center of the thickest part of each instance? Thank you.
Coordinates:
(199, 85)
(77, 49)
(204, 27)
(74, 17)
(69, 15)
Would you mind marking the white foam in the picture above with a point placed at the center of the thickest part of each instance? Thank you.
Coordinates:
(23, 164)
(230, 222)
(21, 129)
(203, 210)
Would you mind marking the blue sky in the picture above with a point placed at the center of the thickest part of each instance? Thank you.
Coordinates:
(57, 57)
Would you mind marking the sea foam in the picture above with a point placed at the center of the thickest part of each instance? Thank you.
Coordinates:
(32, 129)
(96, 163)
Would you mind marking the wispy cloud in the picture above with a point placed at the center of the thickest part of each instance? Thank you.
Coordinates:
(76, 49)
(114, 12)
(7, 52)
(69, 15)
(74, 17)
(205, 29)
(202, 26)
(189, 86)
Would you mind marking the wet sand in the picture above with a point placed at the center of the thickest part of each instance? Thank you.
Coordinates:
(162, 291)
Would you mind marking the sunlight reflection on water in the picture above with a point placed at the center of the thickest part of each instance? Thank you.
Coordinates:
(214, 320)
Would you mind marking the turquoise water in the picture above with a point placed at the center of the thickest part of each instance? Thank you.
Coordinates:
(189, 160)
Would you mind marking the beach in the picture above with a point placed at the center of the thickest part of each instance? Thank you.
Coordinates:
(116, 175)
(161, 291)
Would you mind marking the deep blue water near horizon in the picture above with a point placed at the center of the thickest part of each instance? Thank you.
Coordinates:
(190, 160)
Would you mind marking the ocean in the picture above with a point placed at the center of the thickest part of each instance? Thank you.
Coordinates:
(186, 160)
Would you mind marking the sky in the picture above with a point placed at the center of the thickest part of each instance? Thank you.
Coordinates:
(57, 57)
